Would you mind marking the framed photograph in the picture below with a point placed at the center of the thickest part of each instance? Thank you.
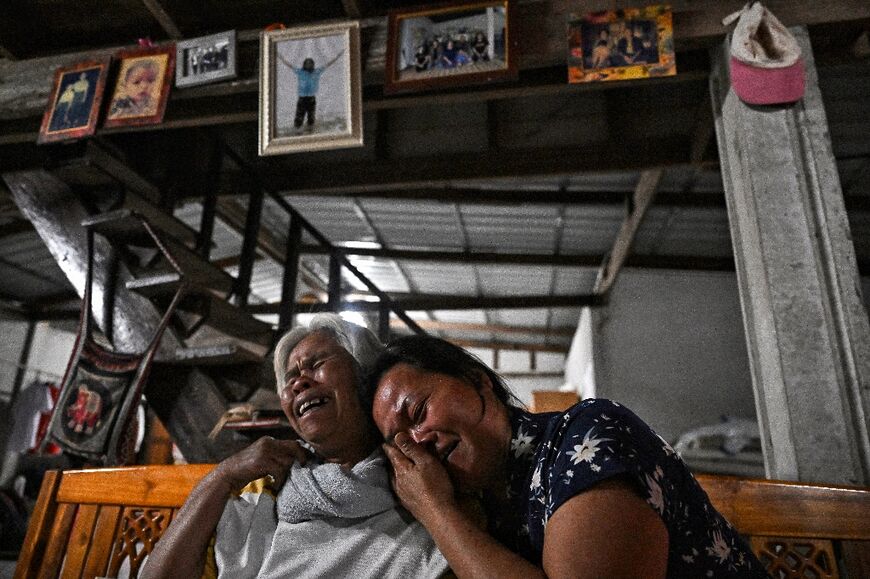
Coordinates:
(205, 59)
(74, 105)
(452, 45)
(310, 89)
(141, 86)
(621, 45)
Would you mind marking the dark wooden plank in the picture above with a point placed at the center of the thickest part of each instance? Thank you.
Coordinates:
(80, 541)
(290, 277)
(39, 527)
(163, 18)
(540, 30)
(242, 286)
(55, 548)
(103, 538)
(448, 302)
(856, 557)
(518, 346)
(354, 178)
(437, 325)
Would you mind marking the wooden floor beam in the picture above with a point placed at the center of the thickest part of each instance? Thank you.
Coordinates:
(446, 302)
(440, 326)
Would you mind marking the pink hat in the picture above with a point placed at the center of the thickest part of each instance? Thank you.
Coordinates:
(766, 63)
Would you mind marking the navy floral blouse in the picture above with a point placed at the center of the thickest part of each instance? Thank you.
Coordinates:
(555, 456)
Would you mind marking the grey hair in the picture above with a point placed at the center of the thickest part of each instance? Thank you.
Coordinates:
(360, 343)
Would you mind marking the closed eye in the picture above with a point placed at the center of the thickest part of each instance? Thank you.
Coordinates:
(420, 411)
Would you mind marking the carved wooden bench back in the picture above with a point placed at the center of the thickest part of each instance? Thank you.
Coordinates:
(91, 523)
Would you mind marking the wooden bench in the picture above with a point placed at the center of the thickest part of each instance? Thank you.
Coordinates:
(92, 523)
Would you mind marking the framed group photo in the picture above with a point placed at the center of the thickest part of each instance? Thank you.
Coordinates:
(621, 45)
(450, 45)
(310, 89)
(141, 87)
(205, 59)
(74, 103)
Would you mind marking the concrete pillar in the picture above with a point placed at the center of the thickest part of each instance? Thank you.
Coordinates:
(807, 332)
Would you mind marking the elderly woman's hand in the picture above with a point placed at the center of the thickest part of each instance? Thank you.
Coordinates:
(265, 457)
(419, 479)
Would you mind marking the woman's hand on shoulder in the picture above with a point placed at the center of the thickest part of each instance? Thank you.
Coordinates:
(419, 479)
(265, 457)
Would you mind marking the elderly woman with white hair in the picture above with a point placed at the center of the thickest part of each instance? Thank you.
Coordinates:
(318, 507)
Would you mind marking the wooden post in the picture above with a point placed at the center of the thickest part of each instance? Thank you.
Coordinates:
(384, 322)
(249, 247)
(334, 283)
(291, 273)
(209, 202)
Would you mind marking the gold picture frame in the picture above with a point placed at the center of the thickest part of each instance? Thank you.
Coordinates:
(310, 89)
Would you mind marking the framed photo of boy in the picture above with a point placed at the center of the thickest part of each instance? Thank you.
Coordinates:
(622, 44)
(141, 86)
(74, 104)
(205, 59)
(310, 89)
(452, 45)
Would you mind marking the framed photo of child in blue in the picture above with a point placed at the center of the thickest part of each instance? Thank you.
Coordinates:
(74, 104)
(141, 86)
(310, 89)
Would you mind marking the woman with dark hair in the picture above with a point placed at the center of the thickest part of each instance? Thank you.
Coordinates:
(589, 492)
(479, 48)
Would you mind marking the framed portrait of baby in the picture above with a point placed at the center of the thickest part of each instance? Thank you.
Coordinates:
(141, 86)
(74, 103)
(310, 89)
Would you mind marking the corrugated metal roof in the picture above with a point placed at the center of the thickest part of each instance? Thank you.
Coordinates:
(28, 271)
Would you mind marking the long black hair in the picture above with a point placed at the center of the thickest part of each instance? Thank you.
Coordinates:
(432, 354)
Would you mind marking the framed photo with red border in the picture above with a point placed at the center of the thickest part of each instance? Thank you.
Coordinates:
(74, 103)
(450, 45)
(141, 86)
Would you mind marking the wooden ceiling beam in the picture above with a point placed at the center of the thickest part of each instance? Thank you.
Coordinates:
(438, 325)
(688, 262)
(540, 30)
(163, 18)
(447, 302)
(352, 8)
(640, 201)
(356, 178)
(516, 346)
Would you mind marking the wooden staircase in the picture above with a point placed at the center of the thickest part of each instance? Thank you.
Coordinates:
(212, 330)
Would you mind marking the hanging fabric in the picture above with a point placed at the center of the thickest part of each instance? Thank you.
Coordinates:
(95, 415)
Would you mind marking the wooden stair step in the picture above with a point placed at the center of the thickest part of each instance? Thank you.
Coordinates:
(124, 226)
(166, 284)
(121, 226)
(217, 354)
(225, 317)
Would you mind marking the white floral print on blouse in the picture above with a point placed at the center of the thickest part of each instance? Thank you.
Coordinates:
(555, 456)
